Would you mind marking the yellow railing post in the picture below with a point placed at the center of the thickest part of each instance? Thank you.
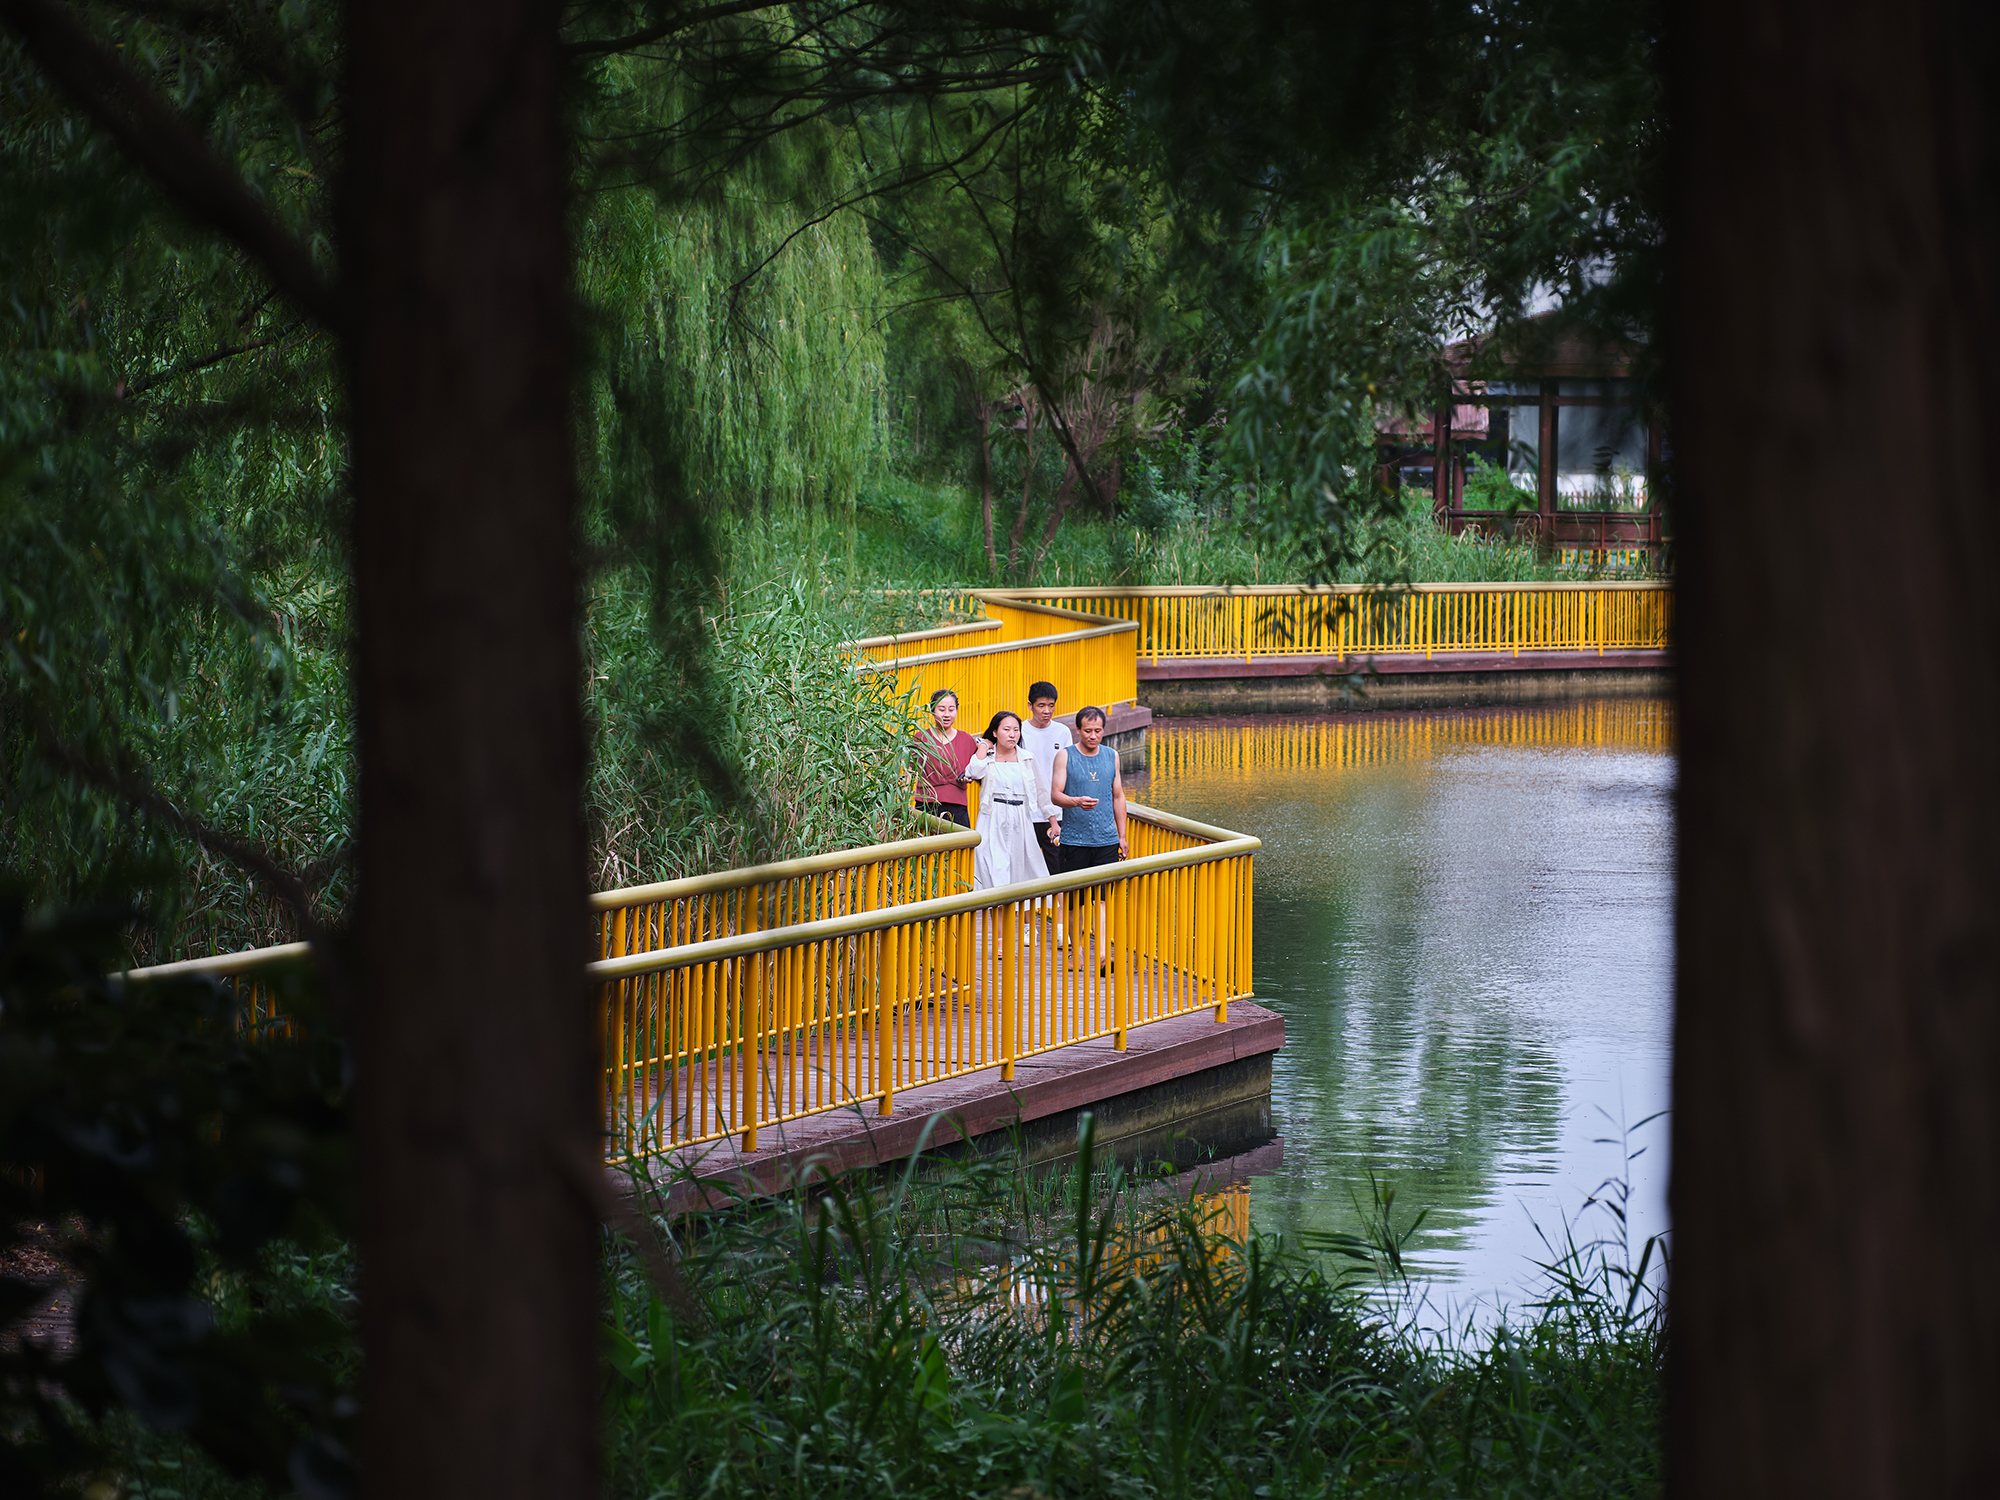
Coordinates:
(750, 1080)
(1246, 967)
(1121, 960)
(622, 1088)
(885, 1061)
(1007, 937)
(1210, 909)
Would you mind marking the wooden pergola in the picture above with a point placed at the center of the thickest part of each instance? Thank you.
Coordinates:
(1560, 448)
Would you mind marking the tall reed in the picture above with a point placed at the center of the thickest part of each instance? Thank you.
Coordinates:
(848, 1343)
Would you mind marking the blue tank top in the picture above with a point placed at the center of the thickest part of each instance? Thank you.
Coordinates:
(1089, 776)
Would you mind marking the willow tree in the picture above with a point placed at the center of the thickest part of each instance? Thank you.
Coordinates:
(739, 318)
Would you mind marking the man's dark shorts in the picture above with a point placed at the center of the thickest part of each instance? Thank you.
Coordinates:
(1089, 857)
(1051, 853)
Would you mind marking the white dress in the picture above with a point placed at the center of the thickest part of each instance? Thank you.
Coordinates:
(1007, 852)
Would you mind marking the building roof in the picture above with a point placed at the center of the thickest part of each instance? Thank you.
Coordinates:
(1551, 346)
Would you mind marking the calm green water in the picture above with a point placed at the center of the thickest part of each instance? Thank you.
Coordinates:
(1465, 920)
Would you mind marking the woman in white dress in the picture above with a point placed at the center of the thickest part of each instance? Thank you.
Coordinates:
(1008, 851)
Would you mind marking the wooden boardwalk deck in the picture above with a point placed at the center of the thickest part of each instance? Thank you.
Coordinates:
(1175, 1074)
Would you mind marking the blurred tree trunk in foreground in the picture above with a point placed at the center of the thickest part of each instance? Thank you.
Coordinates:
(1836, 1197)
(479, 1251)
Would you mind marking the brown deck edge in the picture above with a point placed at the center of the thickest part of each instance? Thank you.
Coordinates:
(1119, 718)
(1045, 1084)
(1183, 668)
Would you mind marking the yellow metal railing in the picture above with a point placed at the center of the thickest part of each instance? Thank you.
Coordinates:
(735, 1035)
(1353, 620)
(1091, 657)
(701, 908)
(250, 974)
(732, 1003)
(941, 638)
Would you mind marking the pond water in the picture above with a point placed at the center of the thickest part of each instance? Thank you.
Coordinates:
(1465, 919)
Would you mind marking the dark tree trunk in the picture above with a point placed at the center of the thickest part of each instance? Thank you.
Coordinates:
(982, 416)
(476, 1059)
(1020, 527)
(1065, 497)
(1836, 1193)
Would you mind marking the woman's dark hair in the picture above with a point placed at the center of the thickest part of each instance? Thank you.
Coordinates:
(941, 694)
(993, 724)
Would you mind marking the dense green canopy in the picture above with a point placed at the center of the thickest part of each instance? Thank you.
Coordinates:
(1045, 261)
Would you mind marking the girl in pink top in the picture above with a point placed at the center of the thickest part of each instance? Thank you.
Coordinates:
(943, 753)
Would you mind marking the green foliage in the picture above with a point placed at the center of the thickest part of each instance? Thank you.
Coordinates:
(740, 329)
(189, 1166)
(903, 1339)
(817, 756)
(1488, 488)
(1401, 543)
(925, 536)
(1530, 169)
(169, 474)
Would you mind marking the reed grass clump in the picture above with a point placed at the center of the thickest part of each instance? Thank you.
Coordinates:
(765, 745)
(978, 1328)
(958, 1332)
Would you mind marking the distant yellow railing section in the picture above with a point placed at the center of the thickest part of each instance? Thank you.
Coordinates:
(1352, 620)
(1091, 656)
(737, 1034)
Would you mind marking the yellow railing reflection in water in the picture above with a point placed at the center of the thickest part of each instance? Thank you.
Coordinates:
(1209, 1228)
(1178, 752)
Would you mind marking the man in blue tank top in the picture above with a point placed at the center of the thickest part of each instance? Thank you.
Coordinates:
(1086, 786)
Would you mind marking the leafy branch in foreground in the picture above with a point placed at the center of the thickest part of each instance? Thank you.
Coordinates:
(171, 1149)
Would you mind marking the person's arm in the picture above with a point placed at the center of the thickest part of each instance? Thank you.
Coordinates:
(1062, 743)
(1118, 810)
(1057, 795)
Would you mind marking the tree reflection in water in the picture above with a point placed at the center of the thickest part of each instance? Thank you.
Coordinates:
(1465, 919)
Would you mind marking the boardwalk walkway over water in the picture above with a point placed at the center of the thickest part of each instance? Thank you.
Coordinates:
(1180, 648)
(739, 1001)
(735, 1003)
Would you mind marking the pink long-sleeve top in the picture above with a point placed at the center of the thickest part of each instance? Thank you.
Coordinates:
(941, 772)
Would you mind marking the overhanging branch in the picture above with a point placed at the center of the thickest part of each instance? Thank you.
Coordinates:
(157, 141)
(685, 20)
(293, 887)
